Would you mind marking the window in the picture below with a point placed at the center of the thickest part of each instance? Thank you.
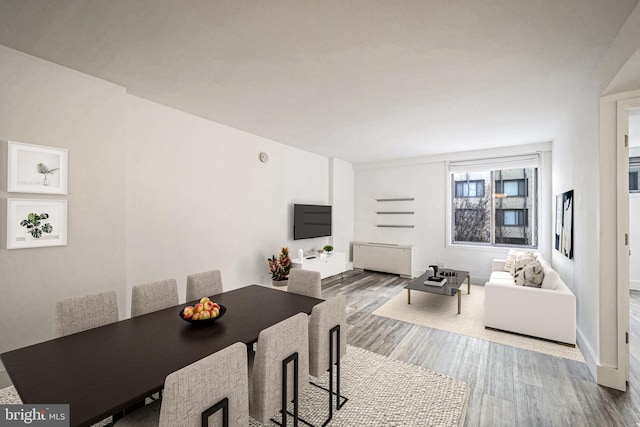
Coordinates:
(514, 217)
(496, 206)
(634, 174)
(511, 187)
(473, 188)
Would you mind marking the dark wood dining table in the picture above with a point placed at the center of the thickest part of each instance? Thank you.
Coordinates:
(102, 371)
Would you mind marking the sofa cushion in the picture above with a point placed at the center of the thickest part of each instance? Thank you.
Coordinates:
(551, 279)
(510, 261)
(499, 275)
(531, 275)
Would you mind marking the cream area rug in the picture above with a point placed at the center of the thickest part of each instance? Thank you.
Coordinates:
(380, 392)
(384, 392)
(441, 312)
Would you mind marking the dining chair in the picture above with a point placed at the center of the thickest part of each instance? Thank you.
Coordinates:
(305, 282)
(153, 296)
(204, 284)
(210, 392)
(78, 314)
(328, 344)
(279, 369)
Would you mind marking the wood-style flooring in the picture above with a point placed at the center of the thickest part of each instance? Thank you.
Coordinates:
(509, 386)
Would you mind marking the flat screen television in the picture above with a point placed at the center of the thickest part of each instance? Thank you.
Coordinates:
(311, 221)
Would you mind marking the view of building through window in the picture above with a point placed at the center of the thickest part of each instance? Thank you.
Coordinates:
(634, 174)
(495, 207)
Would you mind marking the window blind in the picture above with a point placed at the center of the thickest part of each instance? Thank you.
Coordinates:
(496, 163)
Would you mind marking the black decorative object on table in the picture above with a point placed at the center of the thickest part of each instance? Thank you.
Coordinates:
(435, 269)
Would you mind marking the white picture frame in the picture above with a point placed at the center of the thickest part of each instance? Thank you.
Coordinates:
(27, 165)
(18, 236)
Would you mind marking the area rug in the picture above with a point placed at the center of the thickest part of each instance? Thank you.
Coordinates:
(380, 391)
(441, 312)
(385, 392)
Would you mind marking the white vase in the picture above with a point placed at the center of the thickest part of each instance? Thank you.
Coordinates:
(278, 283)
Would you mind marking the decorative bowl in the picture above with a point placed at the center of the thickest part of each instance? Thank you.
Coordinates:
(223, 310)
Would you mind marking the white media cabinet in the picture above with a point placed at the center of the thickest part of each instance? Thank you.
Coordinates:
(327, 265)
(389, 258)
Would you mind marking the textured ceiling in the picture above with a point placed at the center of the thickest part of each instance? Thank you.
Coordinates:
(358, 80)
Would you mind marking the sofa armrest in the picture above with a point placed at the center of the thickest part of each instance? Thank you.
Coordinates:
(498, 264)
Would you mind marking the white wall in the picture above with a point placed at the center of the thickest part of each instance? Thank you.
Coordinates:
(576, 167)
(49, 105)
(154, 193)
(198, 198)
(634, 239)
(634, 204)
(584, 159)
(427, 180)
(342, 196)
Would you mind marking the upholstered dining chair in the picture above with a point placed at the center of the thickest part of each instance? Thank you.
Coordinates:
(78, 314)
(153, 296)
(328, 344)
(211, 389)
(305, 282)
(279, 369)
(204, 284)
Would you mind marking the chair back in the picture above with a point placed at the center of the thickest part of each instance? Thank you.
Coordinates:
(153, 296)
(324, 317)
(78, 314)
(276, 344)
(305, 282)
(196, 388)
(204, 284)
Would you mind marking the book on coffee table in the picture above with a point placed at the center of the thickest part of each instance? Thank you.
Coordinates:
(435, 281)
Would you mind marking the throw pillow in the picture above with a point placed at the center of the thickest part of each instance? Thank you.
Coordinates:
(510, 261)
(522, 259)
(532, 275)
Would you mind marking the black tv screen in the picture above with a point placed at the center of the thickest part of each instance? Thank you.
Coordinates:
(311, 221)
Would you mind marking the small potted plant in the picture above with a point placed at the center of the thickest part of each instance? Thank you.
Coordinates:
(279, 268)
(328, 249)
(35, 228)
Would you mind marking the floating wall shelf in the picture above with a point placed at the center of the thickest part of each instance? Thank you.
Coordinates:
(400, 210)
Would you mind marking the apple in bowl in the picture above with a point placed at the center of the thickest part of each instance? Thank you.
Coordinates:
(204, 311)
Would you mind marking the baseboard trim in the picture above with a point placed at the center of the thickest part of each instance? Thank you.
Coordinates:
(634, 285)
(606, 376)
(590, 356)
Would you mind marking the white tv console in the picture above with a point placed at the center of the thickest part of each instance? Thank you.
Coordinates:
(327, 265)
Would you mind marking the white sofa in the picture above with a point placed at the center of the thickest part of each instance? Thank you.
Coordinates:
(547, 312)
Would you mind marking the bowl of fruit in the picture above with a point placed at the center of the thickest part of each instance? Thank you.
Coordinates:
(203, 313)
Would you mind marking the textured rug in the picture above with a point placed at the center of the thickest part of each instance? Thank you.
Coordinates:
(381, 392)
(385, 392)
(441, 312)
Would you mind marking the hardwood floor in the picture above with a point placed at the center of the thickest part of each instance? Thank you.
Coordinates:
(509, 386)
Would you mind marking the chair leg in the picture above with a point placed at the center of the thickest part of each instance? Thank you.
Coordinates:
(285, 362)
(335, 330)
